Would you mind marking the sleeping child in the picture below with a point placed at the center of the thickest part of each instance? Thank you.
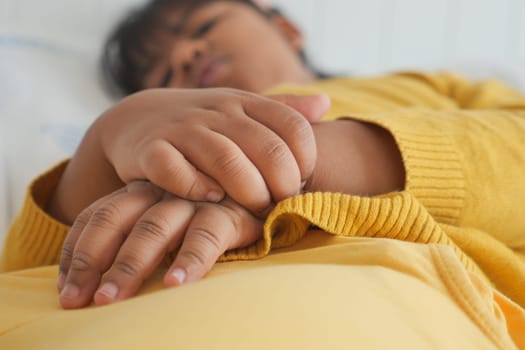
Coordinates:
(336, 206)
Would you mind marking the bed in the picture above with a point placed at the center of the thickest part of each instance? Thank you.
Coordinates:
(50, 89)
(50, 92)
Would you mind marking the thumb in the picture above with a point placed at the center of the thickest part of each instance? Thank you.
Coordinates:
(312, 107)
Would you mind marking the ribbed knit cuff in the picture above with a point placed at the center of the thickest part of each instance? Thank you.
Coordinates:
(35, 238)
(396, 215)
(433, 167)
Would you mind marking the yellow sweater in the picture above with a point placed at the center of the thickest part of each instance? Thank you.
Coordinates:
(463, 147)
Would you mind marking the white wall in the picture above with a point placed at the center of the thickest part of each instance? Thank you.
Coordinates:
(367, 36)
(359, 36)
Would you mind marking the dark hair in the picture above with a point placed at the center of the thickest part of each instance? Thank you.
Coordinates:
(126, 58)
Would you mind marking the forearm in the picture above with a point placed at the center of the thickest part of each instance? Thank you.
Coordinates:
(465, 167)
(87, 177)
(356, 158)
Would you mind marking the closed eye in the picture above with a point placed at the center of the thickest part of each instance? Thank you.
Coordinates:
(167, 78)
(204, 29)
(201, 31)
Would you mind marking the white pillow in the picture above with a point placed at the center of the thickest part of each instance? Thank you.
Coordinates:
(49, 87)
(79, 25)
(48, 97)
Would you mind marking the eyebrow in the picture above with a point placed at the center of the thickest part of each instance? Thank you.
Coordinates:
(178, 28)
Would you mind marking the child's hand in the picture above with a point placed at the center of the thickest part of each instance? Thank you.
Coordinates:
(195, 143)
(126, 235)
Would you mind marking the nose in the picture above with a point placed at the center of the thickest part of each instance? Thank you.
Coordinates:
(185, 53)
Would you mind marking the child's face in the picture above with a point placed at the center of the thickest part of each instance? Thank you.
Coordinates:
(227, 44)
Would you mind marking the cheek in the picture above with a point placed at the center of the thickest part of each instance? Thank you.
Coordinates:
(259, 43)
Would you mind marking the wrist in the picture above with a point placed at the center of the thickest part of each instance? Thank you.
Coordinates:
(87, 177)
(356, 158)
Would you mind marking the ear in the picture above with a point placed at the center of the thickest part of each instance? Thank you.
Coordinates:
(289, 30)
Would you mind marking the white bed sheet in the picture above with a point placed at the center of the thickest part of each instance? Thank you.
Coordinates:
(48, 97)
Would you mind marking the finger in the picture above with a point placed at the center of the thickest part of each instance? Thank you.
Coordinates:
(165, 166)
(159, 231)
(100, 240)
(73, 235)
(228, 156)
(211, 232)
(312, 107)
(271, 157)
(290, 126)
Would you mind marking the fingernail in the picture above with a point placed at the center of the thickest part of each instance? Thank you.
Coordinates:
(61, 281)
(214, 196)
(179, 274)
(303, 184)
(70, 291)
(109, 290)
(326, 99)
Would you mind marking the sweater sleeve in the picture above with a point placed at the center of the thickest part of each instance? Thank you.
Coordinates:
(398, 216)
(485, 94)
(464, 182)
(34, 238)
(466, 165)
(464, 185)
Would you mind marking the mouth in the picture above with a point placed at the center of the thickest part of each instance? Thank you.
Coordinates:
(208, 71)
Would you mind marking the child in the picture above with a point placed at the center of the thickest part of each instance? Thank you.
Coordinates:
(447, 132)
(225, 123)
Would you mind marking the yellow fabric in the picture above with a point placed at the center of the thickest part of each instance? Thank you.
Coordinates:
(35, 238)
(464, 153)
(325, 292)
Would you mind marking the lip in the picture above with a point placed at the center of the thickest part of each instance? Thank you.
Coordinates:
(207, 72)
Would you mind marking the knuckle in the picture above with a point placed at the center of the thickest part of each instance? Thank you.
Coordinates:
(162, 168)
(209, 238)
(66, 256)
(152, 228)
(225, 112)
(230, 163)
(234, 219)
(235, 93)
(301, 131)
(83, 218)
(195, 256)
(205, 241)
(67, 251)
(276, 152)
(169, 169)
(302, 143)
(130, 266)
(190, 188)
(185, 186)
(164, 165)
(81, 261)
(107, 216)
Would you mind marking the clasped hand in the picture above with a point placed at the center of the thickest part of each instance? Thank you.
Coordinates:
(198, 144)
(122, 238)
(179, 152)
